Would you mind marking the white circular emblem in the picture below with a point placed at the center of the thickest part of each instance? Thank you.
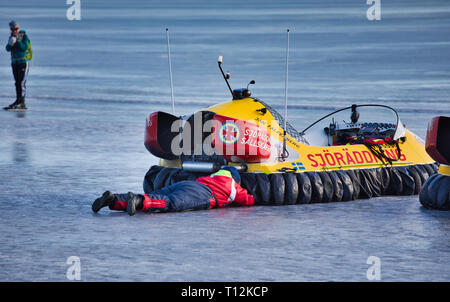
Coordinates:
(229, 133)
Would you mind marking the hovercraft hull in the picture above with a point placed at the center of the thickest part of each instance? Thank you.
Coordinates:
(284, 167)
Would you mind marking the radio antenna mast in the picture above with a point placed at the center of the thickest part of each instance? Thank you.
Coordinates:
(225, 77)
(285, 153)
(170, 71)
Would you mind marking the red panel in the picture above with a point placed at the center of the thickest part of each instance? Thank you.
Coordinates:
(432, 140)
(151, 135)
(234, 137)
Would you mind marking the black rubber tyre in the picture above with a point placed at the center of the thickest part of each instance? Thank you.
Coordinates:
(435, 167)
(435, 193)
(364, 180)
(375, 181)
(338, 187)
(407, 180)
(356, 183)
(424, 196)
(417, 180)
(385, 180)
(347, 185)
(328, 189)
(321, 186)
(304, 188)
(291, 188)
(263, 188)
(278, 188)
(429, 169)
(443, 195)
(317, 186)
(422, 173)
(396, 185)
(248, 182)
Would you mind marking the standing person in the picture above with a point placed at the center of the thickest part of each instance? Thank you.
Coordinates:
(20, 48)
(217, 190)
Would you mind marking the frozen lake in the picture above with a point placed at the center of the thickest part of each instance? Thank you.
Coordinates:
(94, 81)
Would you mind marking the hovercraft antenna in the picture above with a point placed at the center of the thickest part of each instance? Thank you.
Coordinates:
(285, 152)
(225, 77)
(170, 71)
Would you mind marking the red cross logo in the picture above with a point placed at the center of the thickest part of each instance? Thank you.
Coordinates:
(229, 133)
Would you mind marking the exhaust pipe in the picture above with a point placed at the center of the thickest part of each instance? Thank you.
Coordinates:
(194, 166)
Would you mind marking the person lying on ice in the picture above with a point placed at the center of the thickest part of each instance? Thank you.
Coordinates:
(217, 190)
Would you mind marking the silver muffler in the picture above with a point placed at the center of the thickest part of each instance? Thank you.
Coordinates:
(195, 166)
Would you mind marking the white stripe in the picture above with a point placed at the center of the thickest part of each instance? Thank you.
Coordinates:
(24, 80)
(233, 191)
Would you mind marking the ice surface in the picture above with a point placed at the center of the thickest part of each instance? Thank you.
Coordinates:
(93, 82)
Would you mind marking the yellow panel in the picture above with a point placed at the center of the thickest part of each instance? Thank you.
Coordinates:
(316, 158)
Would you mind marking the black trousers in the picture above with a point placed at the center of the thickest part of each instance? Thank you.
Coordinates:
(20, 72)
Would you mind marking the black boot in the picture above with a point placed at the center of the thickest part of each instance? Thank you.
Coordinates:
(134, 203)
(107, 199)
(21, 103)
(13, 105)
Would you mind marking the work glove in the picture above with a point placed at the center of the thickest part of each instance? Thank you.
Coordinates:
(12, 40)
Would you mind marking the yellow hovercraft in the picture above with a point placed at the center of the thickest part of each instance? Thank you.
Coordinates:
(360, 151)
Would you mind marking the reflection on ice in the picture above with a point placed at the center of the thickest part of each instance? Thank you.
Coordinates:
(20, 152)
